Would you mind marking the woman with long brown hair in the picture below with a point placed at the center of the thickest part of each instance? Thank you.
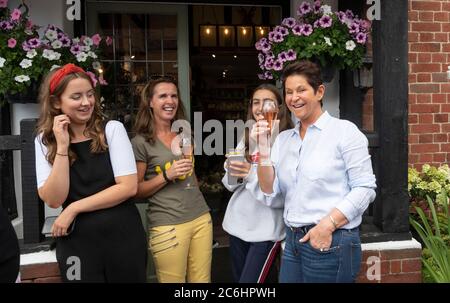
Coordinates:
(256, 230)
(180, 227)
(86, 166)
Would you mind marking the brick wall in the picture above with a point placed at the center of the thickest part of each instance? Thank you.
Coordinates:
(40, 273)
(429, 90)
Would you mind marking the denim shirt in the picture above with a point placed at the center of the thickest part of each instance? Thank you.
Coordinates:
(329, 168)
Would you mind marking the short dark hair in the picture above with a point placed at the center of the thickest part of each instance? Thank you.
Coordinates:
(310, 70)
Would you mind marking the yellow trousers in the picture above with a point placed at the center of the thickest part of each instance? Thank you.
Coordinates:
(183, 252)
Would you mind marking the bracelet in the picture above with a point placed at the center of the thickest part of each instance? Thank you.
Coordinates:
(333, 221)
(64, 155)
(165, 176)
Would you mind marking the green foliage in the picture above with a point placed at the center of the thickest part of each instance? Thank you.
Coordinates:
(434, 231)
(429, 182)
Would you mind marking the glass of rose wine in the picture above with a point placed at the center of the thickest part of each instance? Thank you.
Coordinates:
(270, 112)
(187, 153)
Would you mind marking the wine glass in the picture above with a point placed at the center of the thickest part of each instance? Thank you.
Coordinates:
(187, 153)
(270, 112)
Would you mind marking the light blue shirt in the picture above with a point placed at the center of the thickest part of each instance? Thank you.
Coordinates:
(329, 168)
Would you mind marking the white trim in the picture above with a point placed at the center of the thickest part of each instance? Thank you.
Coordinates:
(41, 257)
(392, 245)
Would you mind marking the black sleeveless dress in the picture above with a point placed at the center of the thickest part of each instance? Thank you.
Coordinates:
(107, 245)
(9, 250)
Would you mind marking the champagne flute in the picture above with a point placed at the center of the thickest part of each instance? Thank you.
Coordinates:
(270, 112)
(187, 153)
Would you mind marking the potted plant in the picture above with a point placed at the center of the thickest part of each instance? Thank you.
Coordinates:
(25, 57)
(335, 40)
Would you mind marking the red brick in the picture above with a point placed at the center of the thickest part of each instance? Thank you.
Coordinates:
(440, 37)
(424, 108)
(428, 138)
(396, 266)
(424, 78)
(424, 148)
(413, 139)
(439, 138)
(425, 68)
(445, 27)
(445, 148)
(445, 46)
(426, 118)
(445, 128)
(424, 88)
(439, 98)
(413, 16)
(412, 78)
(402, 278)
(412, 98)
(439, 58)
(385, 267)
(425, 6)
(426, 37)
(426, 158)
(440, 118)
(425, 26)
(412, 265)
(439, 77)
(426, 47)
(413, 37)
(425, 128)
(48, 280)
(426, 16)
(439, 158)
(441, 17)
(445, 108)
(413, 158)
(413, 119)
(412, 57)
(445, 88)
(39, 271)
(445, 6)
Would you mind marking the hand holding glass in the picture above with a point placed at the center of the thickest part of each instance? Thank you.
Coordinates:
(187, 153)
(270, 112)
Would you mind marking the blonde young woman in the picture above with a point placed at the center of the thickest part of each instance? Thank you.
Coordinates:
(180, 227)
(88, 168)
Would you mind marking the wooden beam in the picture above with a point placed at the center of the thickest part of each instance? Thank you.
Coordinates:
(10, 142)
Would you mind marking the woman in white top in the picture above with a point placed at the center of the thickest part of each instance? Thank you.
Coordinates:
(255, 229)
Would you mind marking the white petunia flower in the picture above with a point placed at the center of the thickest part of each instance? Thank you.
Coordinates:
(92, 55)
(326, 9)
(350, 45)
(26, 63)
(22, 78)
(88, 41)
(2, 62)
(56, 44)
(328, 41)
(51, 35)
(96, 65)
(51, 55)
(75, 40)
(31, 53)
(81, 57)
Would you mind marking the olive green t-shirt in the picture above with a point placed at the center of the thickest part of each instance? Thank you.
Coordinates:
(172, 204)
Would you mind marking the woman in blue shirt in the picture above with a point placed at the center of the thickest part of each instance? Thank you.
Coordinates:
(323, 170)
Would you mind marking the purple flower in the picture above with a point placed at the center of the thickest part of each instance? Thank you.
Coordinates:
(34, 42)
(282, 30)
(271, 34)
(349, 14)
(316, 24)
(291, 55)
(277, 65)
(65, 41)
(265, 47)
(278, 37)
(268, 75)
(304, 9)
(4, 25)
(317, 6)
(364, 25)
(75, 49)
(261, 77)
(325, 21)
(15, 15)
(307, 30)
(25, 46)
(353, 28)
(341, 16)
(297, 30)
(282, 57)
(52, 27)
(289, 22)
(269, 63)
(361, 38)
(12, 42)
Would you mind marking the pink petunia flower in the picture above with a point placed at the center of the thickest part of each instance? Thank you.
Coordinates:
(109, 41)
(93, 78)
(3, 3)
(102, 81)
(15, 15)
(12, 43)
(96, 39)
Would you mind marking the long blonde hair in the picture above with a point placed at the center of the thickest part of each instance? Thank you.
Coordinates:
(94, 128)
(145, 120)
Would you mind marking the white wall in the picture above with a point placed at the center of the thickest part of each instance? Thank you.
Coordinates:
(42, 12)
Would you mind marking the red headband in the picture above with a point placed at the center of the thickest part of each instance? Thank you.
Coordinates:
(65, 70)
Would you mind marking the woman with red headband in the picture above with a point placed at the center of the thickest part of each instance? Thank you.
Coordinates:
(88, 168)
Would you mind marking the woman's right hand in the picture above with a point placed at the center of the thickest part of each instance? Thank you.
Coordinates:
(61, 131)
(179, 168)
